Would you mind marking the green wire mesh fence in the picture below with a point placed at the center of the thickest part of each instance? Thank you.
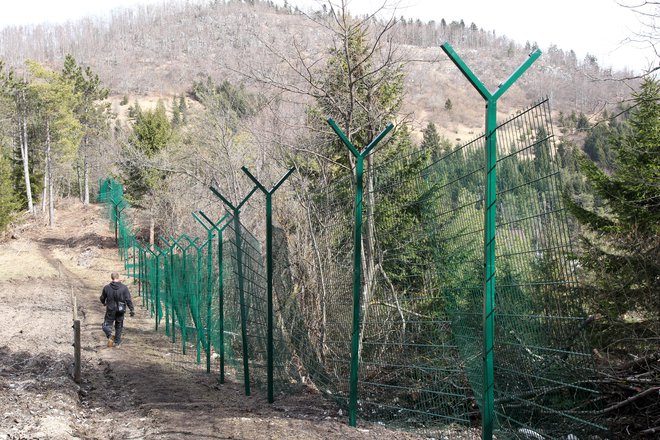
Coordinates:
(179, 283)
(542, 359)
(421, 328)
(254, 305)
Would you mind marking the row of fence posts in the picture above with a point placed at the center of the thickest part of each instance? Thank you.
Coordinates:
(487, 398)
(140, 259)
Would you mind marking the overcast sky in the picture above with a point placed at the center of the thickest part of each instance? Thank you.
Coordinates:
(598, 27)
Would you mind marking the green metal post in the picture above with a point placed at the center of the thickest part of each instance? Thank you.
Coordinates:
(162, 253)
(133, 247)
(116, 223)
(269, 274)
(148, 287)
(357, 261)
(142, 261)
(490, 197)
(209, 283)
(170, 329)
(221, 307)
(156, 297)
(117, 220)
(221, 293)
(209, 297)
(198, 294)
(236, 212)
(241, 300)
(183, 315)
(489, 262)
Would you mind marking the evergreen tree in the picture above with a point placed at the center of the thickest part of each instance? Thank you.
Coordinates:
(92, 113)
(9, 203)
(433, 142)
(57, 100)
(183, 108)
(152, 132)
(621, 242)
(176, 113)
(597, 145)
(431, 139)
(582, 122)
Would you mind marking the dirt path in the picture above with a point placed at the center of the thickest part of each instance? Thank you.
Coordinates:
(132, 392)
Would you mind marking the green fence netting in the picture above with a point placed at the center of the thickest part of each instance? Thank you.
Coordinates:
(542, 359)
(253, 305)
(420, 337)
(179, 283)
(421, 328)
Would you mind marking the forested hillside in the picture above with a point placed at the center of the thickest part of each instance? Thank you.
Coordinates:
(167, 101)
(158, 51)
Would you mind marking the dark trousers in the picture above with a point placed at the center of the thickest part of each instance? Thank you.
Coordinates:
(118, 319)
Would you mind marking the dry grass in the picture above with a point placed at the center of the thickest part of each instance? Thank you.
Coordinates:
(21, 259)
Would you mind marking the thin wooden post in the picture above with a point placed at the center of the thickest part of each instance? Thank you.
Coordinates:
(76, 339)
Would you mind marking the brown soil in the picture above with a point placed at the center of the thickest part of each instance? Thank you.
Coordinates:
(131, 392)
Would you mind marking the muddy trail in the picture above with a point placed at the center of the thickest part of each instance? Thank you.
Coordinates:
(131, 392)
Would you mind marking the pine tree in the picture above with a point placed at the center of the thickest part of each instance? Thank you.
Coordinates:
(176, 113)
(621, 241)
(92, 113)
(183, 109)
(9, 203)
(433, 142)
(152, 131)
(57, 100)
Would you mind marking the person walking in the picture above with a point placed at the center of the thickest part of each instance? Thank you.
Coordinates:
(117, 299)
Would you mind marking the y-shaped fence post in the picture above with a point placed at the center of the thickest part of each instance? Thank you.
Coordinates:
(488, 405)
(269, 272)
(221, 295)
(171, 292)
(154, 286)
(209, 284)
(236, 213)
(183, 298)
(357, 260)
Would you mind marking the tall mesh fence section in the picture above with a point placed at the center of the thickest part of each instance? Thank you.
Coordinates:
(172, 282)
(421, 330)
(411, 373)
(244, 249)
(316, 309)
(455, 226)
(421, 339)
(541, 354)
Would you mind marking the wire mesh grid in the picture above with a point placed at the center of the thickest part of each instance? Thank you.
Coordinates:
(420, 336)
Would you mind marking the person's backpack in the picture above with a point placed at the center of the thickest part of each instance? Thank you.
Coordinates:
(121, 305)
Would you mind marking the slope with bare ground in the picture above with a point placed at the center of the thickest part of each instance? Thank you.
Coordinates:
(129, 392)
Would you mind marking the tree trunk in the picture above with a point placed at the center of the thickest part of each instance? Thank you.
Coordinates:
(23, 138)
(44, 195)
(368, 249)
(79, 180)
(49, 173)
(85, 181)
(152, 232)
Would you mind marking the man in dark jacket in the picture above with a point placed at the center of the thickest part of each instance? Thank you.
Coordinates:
(116, 298)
